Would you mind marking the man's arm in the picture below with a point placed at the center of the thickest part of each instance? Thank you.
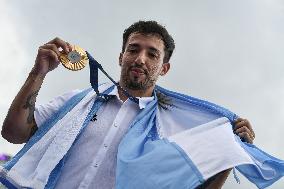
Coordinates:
(19, 124)
(216, 182)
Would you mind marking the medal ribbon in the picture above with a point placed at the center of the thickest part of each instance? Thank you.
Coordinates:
(94, 67)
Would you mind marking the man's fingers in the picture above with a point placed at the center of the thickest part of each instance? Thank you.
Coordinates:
(48, 53)
(52, 47)
(240, 122)
(246, 137)
(60, 43)
(70, 46)
(244, 130)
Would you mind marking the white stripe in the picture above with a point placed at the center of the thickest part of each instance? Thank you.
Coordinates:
(51, 147)
(212, 147)
(18, 181)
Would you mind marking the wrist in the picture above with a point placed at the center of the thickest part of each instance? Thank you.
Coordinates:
(36, 74)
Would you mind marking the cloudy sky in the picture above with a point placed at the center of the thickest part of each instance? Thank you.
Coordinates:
(227, 51)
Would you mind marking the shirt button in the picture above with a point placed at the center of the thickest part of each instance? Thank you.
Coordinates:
(115, 125)
(105, 145)
(96, 165)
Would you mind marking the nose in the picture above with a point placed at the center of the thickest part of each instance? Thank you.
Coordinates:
(141, 58)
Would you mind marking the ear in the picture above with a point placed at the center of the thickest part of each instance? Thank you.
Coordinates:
(120, 59)
(165, 68)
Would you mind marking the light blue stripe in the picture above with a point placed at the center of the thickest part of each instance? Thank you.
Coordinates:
(7, 184)
(189, 161)
(266, 171)
(46, 126)
(201, 103)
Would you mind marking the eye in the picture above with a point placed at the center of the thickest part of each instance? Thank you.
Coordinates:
(132, 50)
(153, 55)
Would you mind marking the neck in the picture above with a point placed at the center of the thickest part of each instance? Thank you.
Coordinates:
(136, 93)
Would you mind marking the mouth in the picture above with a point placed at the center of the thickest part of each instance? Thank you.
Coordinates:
(137, 71)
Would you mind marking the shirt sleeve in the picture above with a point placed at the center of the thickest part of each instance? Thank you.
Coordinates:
(44, 111)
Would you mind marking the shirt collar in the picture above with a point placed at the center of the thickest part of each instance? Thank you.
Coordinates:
(143, 101)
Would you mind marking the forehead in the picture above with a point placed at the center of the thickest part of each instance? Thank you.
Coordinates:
(146, 40)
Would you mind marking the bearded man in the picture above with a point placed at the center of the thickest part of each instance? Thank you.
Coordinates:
(162, 139)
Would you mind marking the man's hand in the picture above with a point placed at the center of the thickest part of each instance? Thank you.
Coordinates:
(244, 130)
(48, 55)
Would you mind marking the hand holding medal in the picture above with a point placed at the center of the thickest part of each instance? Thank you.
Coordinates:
(73, 58)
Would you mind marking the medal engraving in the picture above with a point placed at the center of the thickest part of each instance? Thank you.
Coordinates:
(74, 60)
(74, 56)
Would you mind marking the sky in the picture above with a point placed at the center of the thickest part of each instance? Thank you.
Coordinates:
(229, 52)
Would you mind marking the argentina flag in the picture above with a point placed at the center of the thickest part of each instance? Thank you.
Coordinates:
(176, 141)
(184, 143)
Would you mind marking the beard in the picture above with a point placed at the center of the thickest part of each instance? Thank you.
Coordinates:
(136, 82)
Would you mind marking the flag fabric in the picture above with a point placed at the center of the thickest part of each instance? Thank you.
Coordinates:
(204, 145)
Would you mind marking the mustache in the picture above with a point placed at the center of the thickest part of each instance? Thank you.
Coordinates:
(137, 66)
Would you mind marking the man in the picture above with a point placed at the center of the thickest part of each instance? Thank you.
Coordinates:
(91, 161)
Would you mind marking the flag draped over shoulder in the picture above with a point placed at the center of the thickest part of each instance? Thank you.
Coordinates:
(202, 144)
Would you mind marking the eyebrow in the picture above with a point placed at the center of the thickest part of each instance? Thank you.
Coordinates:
(133, 45)
(137, 45)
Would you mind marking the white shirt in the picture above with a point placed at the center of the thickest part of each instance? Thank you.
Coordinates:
(92, 159)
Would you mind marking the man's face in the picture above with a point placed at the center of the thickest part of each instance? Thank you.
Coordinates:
(142, 61)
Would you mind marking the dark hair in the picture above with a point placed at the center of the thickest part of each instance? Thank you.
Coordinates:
(151, 27)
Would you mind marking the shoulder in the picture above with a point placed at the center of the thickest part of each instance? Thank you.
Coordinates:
(45, 110)
(186, 101)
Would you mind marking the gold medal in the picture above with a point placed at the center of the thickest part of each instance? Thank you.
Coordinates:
(75, 60)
